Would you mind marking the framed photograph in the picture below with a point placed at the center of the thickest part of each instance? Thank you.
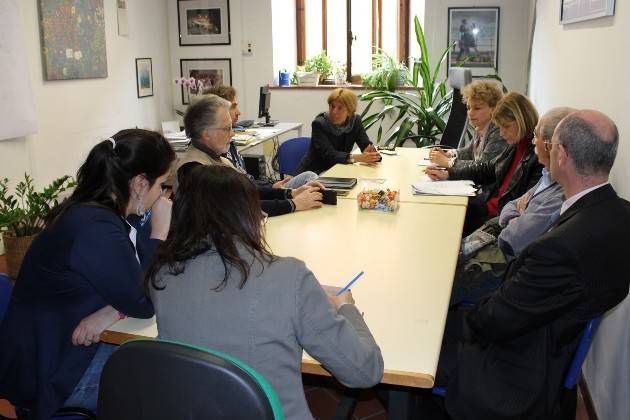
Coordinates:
(475, 32)
(144, 77)
(72, 39)
(572, 11)
(211, 71)
(203, 22)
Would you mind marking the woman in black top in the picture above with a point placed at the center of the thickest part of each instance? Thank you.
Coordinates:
(334, 134)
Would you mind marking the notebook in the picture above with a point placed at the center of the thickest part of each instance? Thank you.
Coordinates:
(338, 183)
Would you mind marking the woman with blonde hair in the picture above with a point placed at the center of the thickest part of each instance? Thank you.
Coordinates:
(512, 173)
(481, 98)
(334, 134)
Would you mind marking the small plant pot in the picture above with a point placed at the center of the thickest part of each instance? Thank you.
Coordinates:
(15, 248)
(307, 79)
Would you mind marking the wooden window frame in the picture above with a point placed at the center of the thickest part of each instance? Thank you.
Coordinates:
(377, 30)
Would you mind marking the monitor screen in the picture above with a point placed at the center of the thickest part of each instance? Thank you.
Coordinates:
(263, 102)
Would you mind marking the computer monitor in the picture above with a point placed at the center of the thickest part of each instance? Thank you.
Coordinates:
(263, 106)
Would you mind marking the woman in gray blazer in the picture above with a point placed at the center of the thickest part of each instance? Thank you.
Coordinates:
(215, 283)
(480, 97)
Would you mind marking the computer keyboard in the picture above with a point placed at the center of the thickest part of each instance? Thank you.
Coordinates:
(244, 123)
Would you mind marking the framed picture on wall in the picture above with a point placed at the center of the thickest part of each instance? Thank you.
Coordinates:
(572, 11)
(144, 77)
(475, 33)
(211, 71)
(203, 22)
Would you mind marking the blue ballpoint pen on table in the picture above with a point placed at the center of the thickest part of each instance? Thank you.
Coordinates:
(347, 286)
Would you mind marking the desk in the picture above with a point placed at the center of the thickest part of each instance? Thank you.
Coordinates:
(399, 171)
(404, 292)
(262, 134)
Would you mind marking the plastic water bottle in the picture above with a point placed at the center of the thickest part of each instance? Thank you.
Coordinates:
(283, 77)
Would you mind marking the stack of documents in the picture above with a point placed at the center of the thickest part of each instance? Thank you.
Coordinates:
(427, 186)
(244, 138)
(178, 140)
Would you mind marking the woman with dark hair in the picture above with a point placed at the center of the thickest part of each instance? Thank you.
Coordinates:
(81, 274)
(215, 283)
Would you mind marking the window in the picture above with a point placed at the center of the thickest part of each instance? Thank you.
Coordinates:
(350, 31)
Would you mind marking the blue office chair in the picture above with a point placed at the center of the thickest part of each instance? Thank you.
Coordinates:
(290, 154)
(575, 369)
(163, 379)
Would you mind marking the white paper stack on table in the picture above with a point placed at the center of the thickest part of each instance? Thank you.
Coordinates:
(178, 140)
(430, 187)
(244, 137)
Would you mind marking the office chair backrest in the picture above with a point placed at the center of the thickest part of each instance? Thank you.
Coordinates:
(458, 118)
(575, 369)
(6, 288)
(161, 379)
(290, 154)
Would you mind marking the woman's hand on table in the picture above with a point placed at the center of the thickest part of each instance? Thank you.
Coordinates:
(439, 157)
(307, 197)
(90, 328)
(282, 182)
(436, 174)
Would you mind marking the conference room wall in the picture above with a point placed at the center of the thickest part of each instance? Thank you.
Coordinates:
(73, 115)
(584, 65)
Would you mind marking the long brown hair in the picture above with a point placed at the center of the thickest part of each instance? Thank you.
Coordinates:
(215, 209)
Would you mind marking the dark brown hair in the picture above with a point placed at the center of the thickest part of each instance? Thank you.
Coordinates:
(215, 209)
(103, 179)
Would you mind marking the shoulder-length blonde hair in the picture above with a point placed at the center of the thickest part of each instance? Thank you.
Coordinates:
(516, 107)
(346, 97)
(482, 90)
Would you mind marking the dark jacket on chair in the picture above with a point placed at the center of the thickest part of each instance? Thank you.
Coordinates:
(77, 266)
(490, 174)
(328, 148)
(518, 344)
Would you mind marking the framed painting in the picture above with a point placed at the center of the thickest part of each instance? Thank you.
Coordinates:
(72, 39)
(144, 77)
(203, 22)
(572, 11)
(475, 32)
(211, 71)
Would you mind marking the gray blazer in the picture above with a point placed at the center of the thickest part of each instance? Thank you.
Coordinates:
(493, 146)
(280, 311)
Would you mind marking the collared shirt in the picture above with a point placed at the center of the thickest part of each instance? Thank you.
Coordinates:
(545, 181)
(478, 147)
(571, 200)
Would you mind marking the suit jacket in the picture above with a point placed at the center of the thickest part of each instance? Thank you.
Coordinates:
(518, 344)
(80, 264)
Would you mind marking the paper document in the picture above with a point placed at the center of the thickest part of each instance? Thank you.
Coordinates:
(180, 135)
(425, 162)
(427, 186)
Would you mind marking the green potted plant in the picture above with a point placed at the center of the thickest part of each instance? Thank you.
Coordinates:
(418, 114)
(319, 64)
(386, 72)
(22, 215)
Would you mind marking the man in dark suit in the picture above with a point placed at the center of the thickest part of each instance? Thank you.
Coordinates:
(511, 354)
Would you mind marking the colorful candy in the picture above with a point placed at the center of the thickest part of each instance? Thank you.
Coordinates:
(378, 199)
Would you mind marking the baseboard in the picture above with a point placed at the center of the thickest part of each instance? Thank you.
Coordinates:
(588, 400)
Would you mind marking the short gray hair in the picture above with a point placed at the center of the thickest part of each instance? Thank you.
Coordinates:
(202, 114)
(548, 122)
(592, 153)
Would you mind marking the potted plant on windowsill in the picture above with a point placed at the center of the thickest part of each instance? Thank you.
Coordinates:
(22, 215)
(319, 64)
(416, 115)
(386, 73)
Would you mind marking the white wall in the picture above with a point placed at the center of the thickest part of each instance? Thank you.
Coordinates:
(73, 115)
(250, 21)
(514, 31)
(583, 65)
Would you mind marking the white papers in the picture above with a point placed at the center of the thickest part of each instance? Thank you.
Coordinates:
(425, 162)
(427, 186)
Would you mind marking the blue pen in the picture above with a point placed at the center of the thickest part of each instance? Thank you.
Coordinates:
(347, 286)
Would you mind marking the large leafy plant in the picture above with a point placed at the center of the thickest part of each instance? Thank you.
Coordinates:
(417, 114)
(23, 214)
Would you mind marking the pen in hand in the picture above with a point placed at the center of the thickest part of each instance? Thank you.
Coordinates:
(350, 283)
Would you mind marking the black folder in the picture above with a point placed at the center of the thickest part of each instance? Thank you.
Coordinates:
(338, 183)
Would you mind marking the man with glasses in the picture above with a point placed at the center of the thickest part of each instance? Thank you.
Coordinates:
(485, 253)
(209, 125)
(508, 358)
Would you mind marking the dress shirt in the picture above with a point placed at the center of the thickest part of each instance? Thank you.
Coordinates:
(570, 201)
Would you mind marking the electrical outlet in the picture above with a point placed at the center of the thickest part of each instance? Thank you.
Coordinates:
(248, 48)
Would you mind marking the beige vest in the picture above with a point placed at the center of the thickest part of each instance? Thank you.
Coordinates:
(195, 155)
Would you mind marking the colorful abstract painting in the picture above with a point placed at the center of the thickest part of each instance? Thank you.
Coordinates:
(73, 39)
